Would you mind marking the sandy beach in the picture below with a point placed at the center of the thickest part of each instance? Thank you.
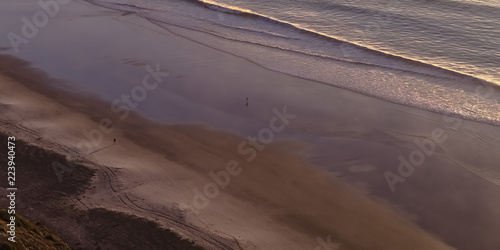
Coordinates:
(175, 166)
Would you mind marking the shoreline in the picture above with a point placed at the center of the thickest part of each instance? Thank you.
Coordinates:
(389, 87)
(151, 49)
(339, 140)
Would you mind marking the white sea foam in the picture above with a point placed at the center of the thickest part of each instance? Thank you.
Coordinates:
(298, 51)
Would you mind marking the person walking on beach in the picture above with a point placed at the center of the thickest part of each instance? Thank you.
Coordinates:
(114, 140)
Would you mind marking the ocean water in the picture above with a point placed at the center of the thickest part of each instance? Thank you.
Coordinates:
(459, 35)
(438, 55)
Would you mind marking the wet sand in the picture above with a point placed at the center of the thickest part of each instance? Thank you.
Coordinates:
(322, 176)
(152, 170)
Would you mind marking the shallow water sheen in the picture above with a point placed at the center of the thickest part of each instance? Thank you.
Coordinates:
(437, 55)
